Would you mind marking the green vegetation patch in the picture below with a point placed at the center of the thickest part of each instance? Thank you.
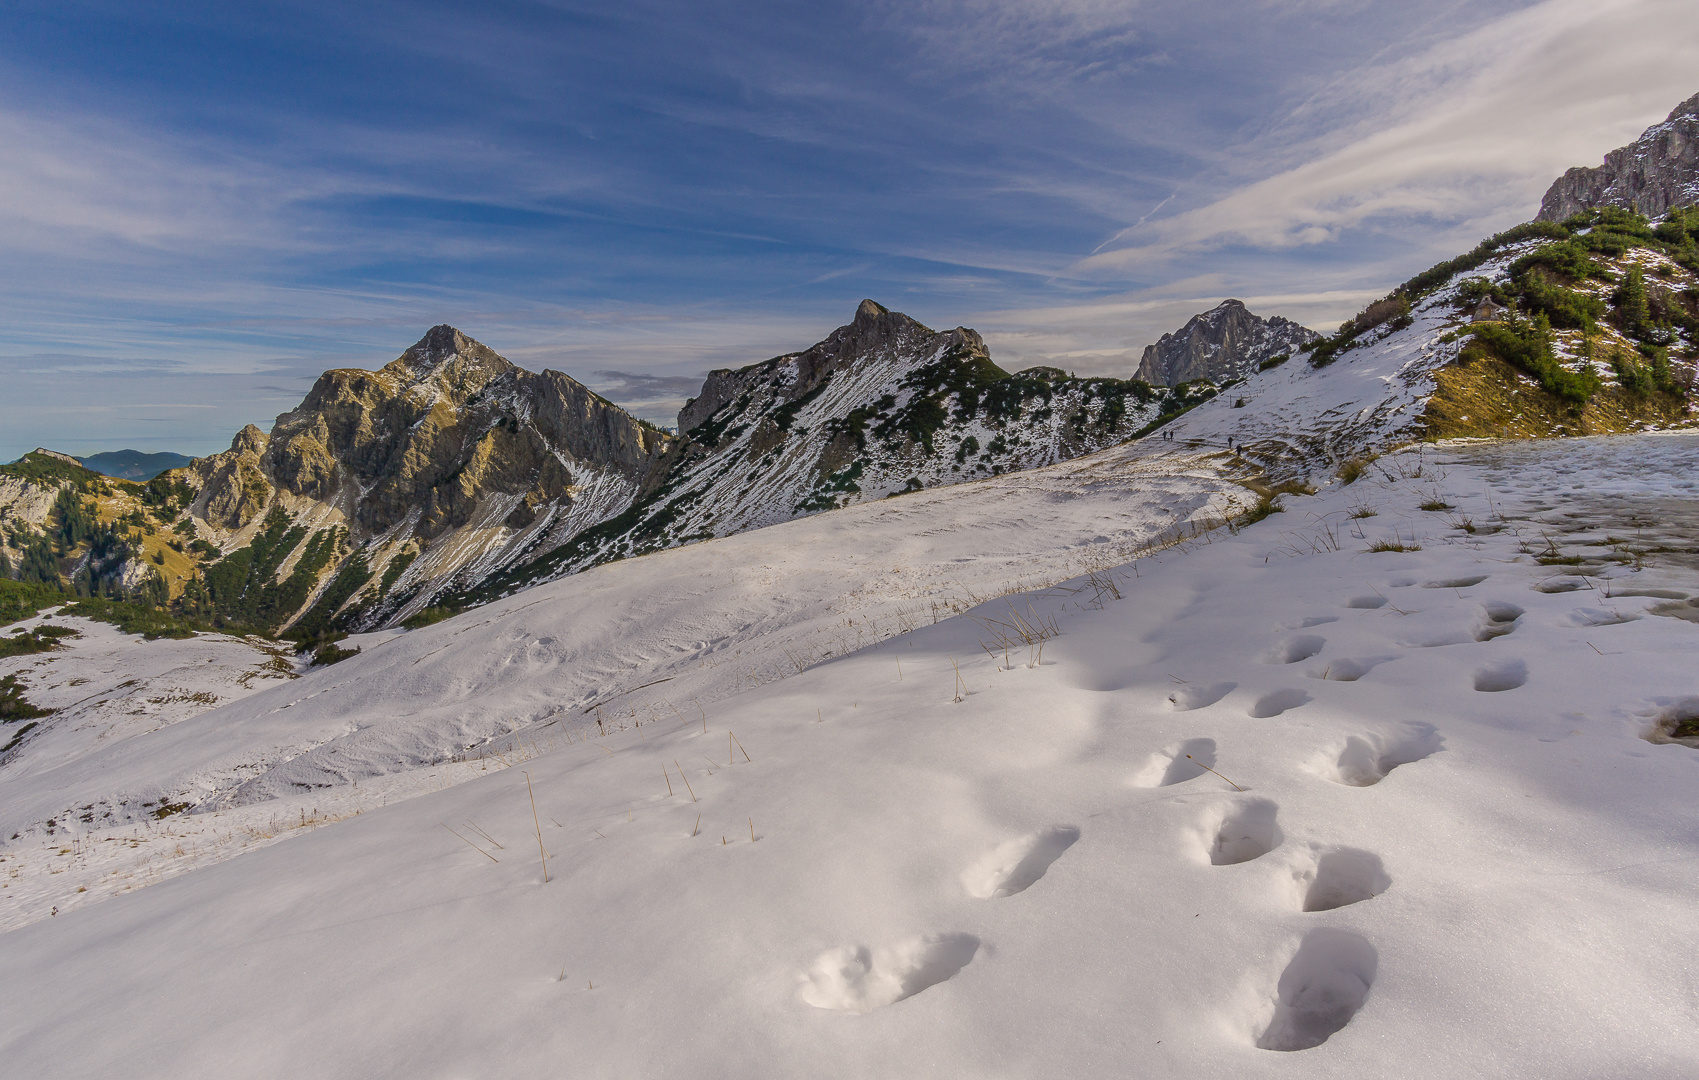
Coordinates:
(785, 415)
(244, 587)
(14, 707)
(40, 639)
(1527, 347)
(427, 617)
(21, 600)
(348, 581)
(330, 653)
(45, 469)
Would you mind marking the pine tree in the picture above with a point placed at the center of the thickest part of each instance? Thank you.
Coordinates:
(1633, 314)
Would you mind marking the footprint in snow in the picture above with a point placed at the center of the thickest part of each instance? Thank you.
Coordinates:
(1241, 831)
(1294, 649)
(1177, 764)
(1366, 759)
(1346, 668)
(855, 978)
(1188, 698)
(1455, 583)
(1501, 677)
(1322, 988)
(1494, 621)
(1014, 865)
(1277, 702)
(1338, 877)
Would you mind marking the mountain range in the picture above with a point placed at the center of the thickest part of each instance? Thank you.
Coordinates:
(451, 476)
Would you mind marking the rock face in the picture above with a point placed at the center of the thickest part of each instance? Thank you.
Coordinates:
(1225, 342)
(1652, 175)
(448, 451)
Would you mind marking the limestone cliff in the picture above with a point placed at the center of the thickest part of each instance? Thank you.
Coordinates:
(1652, 175)
(447, 457)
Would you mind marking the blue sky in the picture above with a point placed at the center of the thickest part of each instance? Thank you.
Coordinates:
(202, 206)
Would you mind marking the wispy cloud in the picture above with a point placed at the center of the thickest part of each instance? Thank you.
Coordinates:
(637, 386)
(1466, 134)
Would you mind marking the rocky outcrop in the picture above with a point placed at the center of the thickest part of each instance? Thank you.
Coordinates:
(1652, 175)
(1225, 342)
(234, 488)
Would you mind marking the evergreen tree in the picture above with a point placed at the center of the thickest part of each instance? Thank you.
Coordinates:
(153, 591)
(1632, 312)
(39, 564)
(73, 523)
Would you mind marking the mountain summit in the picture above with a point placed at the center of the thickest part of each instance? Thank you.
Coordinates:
(1225, 342)
(1652, 175)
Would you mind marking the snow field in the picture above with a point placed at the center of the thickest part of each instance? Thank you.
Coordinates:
(1402, 872)
(650, 639)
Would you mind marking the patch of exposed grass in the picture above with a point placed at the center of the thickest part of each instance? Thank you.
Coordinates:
(1264, 506)
(1394, 545)
(1354, 468)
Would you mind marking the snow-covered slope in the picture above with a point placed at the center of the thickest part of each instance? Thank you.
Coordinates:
(710, 619)
(1437, 839)
(1378, 391)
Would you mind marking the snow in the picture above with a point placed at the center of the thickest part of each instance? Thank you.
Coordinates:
(646, 637)
(1453, 850)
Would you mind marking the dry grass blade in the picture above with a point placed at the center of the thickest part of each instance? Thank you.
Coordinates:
(1201, 765)
(471, 845)
(543, 854)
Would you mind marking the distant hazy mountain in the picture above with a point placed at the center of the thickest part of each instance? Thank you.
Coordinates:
(133, 464)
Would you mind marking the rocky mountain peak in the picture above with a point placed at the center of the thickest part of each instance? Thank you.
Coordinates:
(874, 330)
(250, 440)
(1656, 173)
(1225, 342)
(452, 357)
